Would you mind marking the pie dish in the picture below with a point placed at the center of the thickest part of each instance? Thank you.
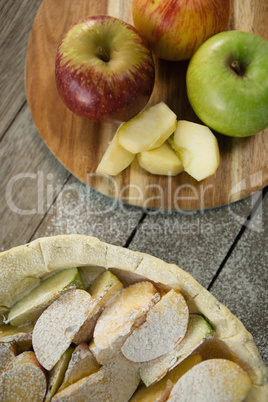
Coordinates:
(24, 267)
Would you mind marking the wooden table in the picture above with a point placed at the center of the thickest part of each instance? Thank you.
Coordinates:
(224, 248)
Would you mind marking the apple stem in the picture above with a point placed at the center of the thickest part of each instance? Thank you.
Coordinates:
(236, 67)
(103, 55)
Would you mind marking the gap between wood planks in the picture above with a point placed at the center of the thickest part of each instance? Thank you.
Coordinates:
(239, 235)
(49, 208)
(144, 215)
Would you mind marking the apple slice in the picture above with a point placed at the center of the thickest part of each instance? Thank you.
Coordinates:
(166, 324)
(24, 380)
(148, 130)
(105, 287)
(115, 159)
(81, 365)
(30, 307)
(197, 148)
(128, 309)
(116, 381)
(161, 390)
(198, 331)
(162, 160)
(57, 326)
(102, 290)
(7, 354)
(56, 375)
(212, 380)
(21, 336)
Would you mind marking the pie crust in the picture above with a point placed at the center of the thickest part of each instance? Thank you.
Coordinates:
(22, 268)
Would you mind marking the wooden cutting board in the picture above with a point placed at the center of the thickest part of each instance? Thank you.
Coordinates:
(79, 144)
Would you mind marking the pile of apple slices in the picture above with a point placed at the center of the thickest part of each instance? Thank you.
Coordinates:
(110, 342)
(163, 146)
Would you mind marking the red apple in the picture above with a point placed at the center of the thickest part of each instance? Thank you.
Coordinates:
(104, 69)
(175, 29)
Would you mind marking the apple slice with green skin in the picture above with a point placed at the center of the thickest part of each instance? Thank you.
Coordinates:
(57, 326)
(148, 130)
(212, 380)
(24, 380)
(104, 69)
(128, 309)
(17, 335)
(161, 161)
(81, 365)
(104, 287)
(165, 325)
(30, 307)
(56, 375)
(197, 148)
(115, 159)
(161, 389)
(198, 331)
(227, 83)
(102, 290)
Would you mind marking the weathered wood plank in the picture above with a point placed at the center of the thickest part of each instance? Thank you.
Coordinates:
(30, 179)
(197, 242)
(80, 209)
(243, 283)
(16, 19)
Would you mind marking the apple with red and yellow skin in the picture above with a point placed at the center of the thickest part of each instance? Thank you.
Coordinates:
(175, 29)
(104, 69)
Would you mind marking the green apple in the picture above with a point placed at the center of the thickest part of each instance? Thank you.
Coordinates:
(227, 83)
(175, 29)
(104, 69)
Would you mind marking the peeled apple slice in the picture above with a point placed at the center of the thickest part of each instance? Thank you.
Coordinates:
(160, 390)
(115, 159)
(197, 148)
(104, 287)
(24, 380)
(197, 332)
(148, 130)
(116, 381)
(212, 380)
(102, 290)
(129, 308)
(57, 326)
(30, 307)
(81, 365)
(162, 160)
(165, 325)
(7, 354)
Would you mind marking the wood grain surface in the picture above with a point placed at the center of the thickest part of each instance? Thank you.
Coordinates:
(79, 144)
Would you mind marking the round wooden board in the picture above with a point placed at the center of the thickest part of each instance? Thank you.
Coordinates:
(79, 144)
